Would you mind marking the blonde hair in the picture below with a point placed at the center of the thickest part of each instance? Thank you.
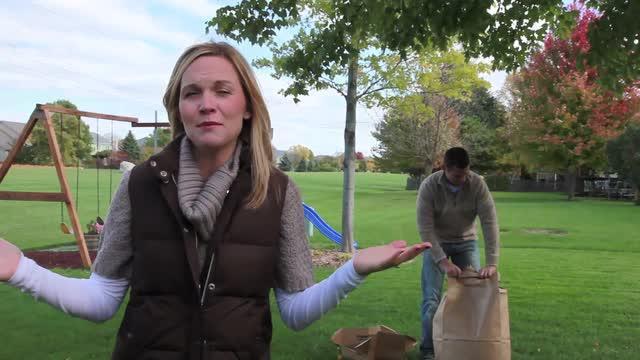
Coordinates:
(257, 129)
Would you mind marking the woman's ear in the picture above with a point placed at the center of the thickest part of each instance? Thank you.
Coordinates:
(247, 115)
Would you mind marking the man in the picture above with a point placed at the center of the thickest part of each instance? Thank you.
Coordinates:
(448, 202)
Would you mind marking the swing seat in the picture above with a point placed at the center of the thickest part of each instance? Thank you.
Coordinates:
(65, 229)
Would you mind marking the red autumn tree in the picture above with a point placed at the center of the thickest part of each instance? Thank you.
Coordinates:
(563, 115)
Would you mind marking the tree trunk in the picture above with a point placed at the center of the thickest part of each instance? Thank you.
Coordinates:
(637, 197)
(349, 170)
(413, 182)
(436, 139)
(428, 166)
(571, 183)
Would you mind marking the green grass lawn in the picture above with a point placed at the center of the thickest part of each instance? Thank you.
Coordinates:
(572, 296)
(37, 224)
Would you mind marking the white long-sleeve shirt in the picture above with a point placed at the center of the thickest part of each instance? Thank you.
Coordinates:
(98, 298)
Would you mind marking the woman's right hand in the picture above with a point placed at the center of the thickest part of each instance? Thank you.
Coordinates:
(9, 259)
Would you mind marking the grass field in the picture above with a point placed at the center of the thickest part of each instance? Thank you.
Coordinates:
(572, 296)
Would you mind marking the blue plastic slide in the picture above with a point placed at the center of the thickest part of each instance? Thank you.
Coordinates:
(314, 218)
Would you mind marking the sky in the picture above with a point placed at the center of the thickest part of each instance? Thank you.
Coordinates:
(116, 56)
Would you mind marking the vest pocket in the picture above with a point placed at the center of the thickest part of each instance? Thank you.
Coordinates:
(162, 355)
(156, 325)
(244, 270)
(236, 324)
(131, 337)
(229, 355)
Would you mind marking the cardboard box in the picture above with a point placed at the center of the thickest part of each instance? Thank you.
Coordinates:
(372, 343)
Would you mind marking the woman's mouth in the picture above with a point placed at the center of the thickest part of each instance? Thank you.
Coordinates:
(209, 124)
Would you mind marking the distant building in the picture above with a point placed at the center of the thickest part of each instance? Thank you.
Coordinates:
(9, 133)
(103, 142)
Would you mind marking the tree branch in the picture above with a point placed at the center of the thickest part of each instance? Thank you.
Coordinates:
(368, 90)
(335, 86)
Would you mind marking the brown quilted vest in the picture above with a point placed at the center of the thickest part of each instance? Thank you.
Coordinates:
(173, 311)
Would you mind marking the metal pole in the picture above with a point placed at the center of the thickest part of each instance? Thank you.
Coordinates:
(155, 133)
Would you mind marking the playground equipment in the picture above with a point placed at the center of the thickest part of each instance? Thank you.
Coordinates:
(63, 226)
(314, 218)
(44, 113)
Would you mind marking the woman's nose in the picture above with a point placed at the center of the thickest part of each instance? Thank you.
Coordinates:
(209, 102)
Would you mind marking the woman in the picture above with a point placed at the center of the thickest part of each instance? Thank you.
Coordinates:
(202, 231)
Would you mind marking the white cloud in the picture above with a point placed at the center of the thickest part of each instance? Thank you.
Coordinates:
(116, 17)
(194, 7)
(116, 56)
(80, 57)
(317, 121)
(110, 57)
(107, 58)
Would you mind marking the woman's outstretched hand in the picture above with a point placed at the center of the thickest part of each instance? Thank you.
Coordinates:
(9, 259)
(378, 258)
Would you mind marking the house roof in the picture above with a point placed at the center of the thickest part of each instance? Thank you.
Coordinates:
(9, 133)
(104, 139)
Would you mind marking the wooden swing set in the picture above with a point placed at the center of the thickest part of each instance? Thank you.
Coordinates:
(44, 113)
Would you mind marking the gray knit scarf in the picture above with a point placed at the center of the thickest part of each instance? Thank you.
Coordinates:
(201, 199)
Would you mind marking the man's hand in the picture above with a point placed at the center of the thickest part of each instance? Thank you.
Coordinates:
(487, 271)
(450, 268)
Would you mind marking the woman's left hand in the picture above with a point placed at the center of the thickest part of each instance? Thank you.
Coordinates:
(378, 258)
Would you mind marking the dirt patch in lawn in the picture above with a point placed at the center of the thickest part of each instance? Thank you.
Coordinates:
(58, 259)
(70, 258)
(329, 257)
(546, 231)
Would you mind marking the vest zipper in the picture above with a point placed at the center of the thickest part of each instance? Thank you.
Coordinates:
(200, 291)
(203, 352)
(206, 282)
(198, 256)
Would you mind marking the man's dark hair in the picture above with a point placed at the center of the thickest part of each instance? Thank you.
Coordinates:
(456, 156)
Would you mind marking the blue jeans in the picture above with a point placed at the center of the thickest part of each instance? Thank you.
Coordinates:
(462, 254)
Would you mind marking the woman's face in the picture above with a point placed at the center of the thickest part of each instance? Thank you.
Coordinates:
(212, 104)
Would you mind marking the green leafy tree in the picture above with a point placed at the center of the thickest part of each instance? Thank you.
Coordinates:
(334, 36)
(326, 163)
(103, 154)
(163, 137)
(362, 165)
(72, 134)
(130, 146)
(438, 80)
(407, 140)
(285, 163)
(25, 155)
(614, 39)
(483, 106)
(482, 120)
(298, 153)
(312, 164)
(564, 115)
(482, 144)
(624, 156)
(302, 166)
